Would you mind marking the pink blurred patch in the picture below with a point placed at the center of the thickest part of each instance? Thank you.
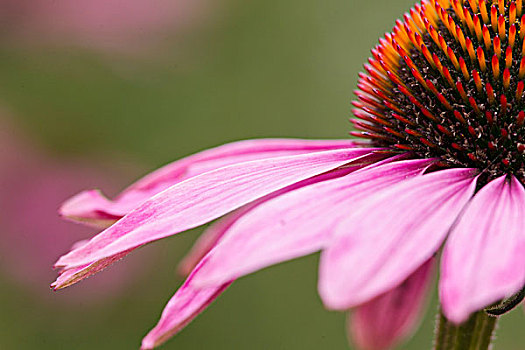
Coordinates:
(103, 24)
(32, 235)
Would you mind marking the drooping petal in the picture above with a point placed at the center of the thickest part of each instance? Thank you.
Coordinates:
(484, 257)
(93, 208)
(298, 222)
(203, 198)
(392, 234)
(182, 308)
(384, 321)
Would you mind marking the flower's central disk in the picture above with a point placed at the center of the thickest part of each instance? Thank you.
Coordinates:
(448, 83)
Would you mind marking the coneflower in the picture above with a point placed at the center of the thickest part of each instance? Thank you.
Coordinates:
(439, 176)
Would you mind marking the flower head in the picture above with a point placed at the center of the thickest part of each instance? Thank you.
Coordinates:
(442, 169)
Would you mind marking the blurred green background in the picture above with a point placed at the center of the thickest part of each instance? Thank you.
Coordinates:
(241, 69)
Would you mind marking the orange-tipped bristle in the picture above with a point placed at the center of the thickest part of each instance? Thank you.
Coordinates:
(417, 18)
(402, 119)
(393, 132)
(494, 17)
(470, 49)
(521, 72)
(490, 93)
(428, 143)
(474, 105)
(447, 21)
(512, 12)
(459, 117)
(461, 37)
(522, 27)
(486, 37)
(477, 80)
(394, 77)
(495, 66)
(473, 5)
(444, 101)
(452, 27)
(497, 46)
(468, 19)
(463, 67)
(444, 130)
(429, 114)
(521, 118)
(518, 7)
(360, 125)
(428, 13)
(489, 117)
(477, 27)
(506, 79)
(413, 132)
(437, 63)
(501, 5)
(471, 130)
(519, 90)
(427, 55)
(448, 76)
(458, 9)
(433, 34)
(452, 57)
(405, 91)
(431, 87)
(393, 107)
(383, 95)
(418, 76)
(508, 57)
(457, 147)
(501, 27)
(481, 59)
(461, 90)
(512, 35)
(442, 43)
(483, 11)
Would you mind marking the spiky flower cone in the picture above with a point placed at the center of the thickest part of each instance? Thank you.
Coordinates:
(447, 83)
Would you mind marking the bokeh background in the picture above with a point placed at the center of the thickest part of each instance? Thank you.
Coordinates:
(97, 93)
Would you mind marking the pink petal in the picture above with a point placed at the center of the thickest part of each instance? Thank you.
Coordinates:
(93, 208)
(183, 307)
(296, 223)
(484, 258)
(203, 198)
(393, 233)
(391, 317)
(70, 276)
(207, 241)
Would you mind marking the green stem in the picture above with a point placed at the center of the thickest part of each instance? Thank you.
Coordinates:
(474, 334)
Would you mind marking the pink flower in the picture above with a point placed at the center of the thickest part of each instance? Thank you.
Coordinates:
(442, 170)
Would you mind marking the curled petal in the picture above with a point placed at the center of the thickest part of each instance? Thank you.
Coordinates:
(298, 222)
(93, 208)
(384, 321)
(206, 197)
(391, 235)
(484, 260)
